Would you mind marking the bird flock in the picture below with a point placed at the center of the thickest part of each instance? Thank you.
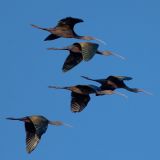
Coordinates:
(36, 125)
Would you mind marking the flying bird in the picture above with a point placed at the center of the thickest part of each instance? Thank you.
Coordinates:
(65, 29)
(35, 127)
(81, 51)
(114, 82)
(80, 95)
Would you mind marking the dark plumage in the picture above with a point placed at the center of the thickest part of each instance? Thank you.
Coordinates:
(81, 51)
(80, 95)
(114, 82)
(65, 29)
(35, 127)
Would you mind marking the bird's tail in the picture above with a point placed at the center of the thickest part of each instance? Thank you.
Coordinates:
(107, 53)
(35, 26)
(59, 123)
(110, 92)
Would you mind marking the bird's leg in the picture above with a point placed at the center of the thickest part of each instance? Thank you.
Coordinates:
(59, 123)
(35, 26)
(120, 94)
(110, 92)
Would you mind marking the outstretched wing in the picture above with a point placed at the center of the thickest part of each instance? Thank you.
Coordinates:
(79, 102)
(121, 78)
(69, 21)
(88, 50)
(32, 139)
(51, 37)
(71, 61)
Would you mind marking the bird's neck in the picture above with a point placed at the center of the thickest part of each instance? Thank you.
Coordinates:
(55, 123)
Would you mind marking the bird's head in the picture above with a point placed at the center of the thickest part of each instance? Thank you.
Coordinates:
(136, 90)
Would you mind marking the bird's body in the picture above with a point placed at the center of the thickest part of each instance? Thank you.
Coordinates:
(35, 127)
(81, 51)
(80, 95)
(65, 29)
(115, 82)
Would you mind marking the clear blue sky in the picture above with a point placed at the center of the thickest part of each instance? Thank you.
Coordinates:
(111, 127)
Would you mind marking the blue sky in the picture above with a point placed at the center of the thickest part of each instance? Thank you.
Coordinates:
(110, 127)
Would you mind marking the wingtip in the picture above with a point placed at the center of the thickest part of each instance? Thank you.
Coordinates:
(64, 71)
(34, 26)
(84, 76)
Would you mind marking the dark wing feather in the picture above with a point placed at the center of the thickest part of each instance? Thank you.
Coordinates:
(51, 37)
(79, 102)
(116, 82)
(88, 89)
(121, 78)
(69, 21)
(32, 139)
(71, 61)
(124, 78)
(88, 50)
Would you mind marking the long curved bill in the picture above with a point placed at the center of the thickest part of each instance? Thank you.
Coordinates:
(119, 56)
(2, 117)
(146, 92)
(56, 87)
(53, 48)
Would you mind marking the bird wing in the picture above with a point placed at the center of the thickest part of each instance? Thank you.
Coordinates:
(69, 21)
(101, 81)
(87, 89)
(34, 130)
(88, 50)
(51, 37)
(79, 102)
(121, 78)
(32, 139)
(93, 87)
(71, 61)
